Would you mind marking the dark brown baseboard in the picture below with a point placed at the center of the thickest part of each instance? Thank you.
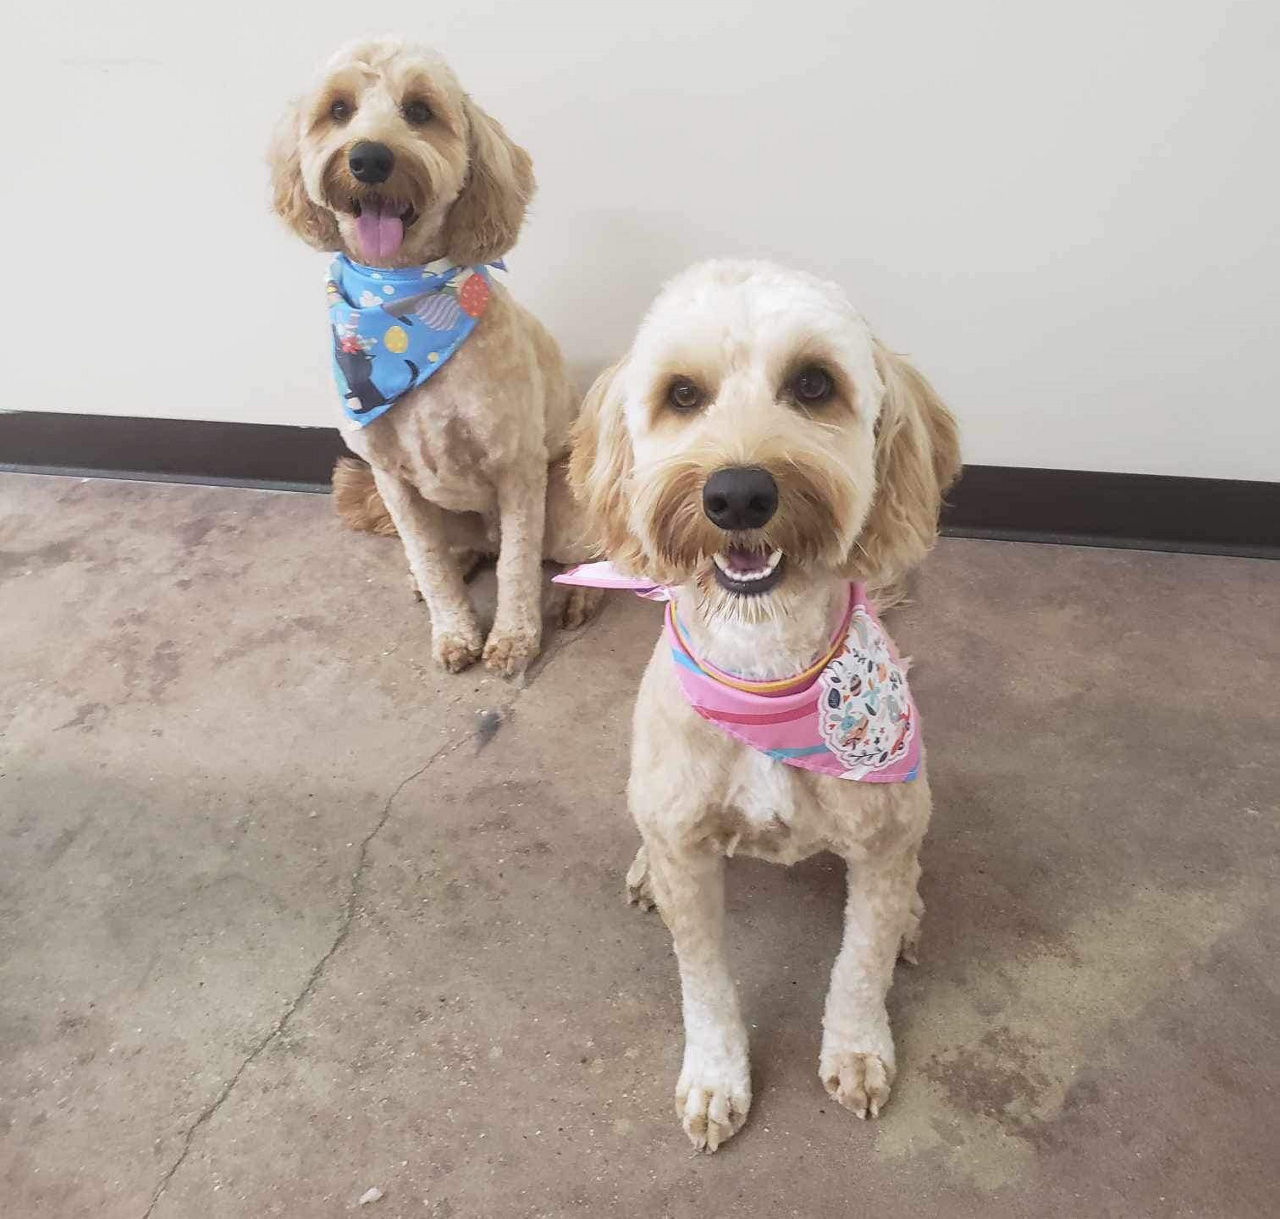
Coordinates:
(1081, 507)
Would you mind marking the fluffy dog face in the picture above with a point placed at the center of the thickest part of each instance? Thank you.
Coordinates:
(387, 159)
(756, 438)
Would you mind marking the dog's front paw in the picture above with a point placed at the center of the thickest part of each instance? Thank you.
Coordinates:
(580, 607)
(456, 650)
(713, 1096)
(859, 1081)
(509, 652)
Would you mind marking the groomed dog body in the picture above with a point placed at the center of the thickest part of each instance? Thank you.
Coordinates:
(755, 452)
(389, 161)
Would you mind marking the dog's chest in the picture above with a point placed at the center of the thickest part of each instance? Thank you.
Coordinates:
(767, 811)
(446, 448)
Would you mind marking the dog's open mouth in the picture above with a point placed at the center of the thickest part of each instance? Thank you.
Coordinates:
(748, 571)
(381, 225)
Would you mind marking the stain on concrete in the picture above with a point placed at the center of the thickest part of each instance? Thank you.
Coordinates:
(267, 637)
(190, 533)
(997, 1078)
(86, 714)
(65, 839)
(51, 554)
(996, 1084)
(487, 725)
(165, 668)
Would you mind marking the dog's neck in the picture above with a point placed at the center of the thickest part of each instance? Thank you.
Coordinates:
(769, 647)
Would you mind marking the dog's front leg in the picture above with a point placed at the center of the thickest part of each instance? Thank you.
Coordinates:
(455, 635)
(517, 624)
(714, 1090)
(857, 1061)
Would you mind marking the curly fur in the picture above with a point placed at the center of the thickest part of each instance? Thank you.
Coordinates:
(471, 460)
(356, 499)
(861, 478)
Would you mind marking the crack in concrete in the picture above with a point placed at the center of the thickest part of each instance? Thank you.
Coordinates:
(344, 929)
(348, 919)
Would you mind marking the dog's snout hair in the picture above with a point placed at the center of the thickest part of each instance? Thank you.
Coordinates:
(859, 474)
(668, 510)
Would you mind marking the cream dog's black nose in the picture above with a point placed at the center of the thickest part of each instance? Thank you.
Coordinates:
(740, 497)
(371, 162)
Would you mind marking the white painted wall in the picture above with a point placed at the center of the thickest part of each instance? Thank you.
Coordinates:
(1068, 213)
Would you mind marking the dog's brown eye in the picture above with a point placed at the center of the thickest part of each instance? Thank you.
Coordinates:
(416, 112)
(684, 395)
(340, 110)
(812, 385)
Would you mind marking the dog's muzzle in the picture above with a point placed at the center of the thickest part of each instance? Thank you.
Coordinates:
(738, 499)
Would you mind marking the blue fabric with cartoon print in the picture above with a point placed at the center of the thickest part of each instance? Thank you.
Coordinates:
(393, 329)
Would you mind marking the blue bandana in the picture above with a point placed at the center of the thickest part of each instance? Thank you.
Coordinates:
(393, 329)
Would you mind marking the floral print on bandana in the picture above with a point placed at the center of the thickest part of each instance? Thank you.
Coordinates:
(867, 716)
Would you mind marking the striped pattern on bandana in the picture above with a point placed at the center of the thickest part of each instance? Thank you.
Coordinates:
(849, 715)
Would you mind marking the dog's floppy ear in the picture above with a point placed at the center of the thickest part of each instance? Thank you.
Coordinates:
(485, 219)
(917, 459)
(289, 198)
(600, 467)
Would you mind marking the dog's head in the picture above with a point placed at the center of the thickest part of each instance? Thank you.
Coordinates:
(388, 160)
(758, 437)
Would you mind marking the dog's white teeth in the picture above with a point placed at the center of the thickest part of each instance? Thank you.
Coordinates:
(745, 577)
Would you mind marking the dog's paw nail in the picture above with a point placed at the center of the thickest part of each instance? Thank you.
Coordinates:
(860, 1082)
(714, 1109)
(508, 654)
(455, 652)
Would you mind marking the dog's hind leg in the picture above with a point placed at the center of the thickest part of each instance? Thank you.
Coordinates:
(565, 543)
(910, 948)
(455, 635)
(472, 538)
(639, 889)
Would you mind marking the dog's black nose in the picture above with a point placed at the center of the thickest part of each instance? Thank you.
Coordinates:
(740, 497)
(371, 162)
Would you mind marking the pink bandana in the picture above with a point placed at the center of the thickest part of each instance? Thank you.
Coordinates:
(850, 714)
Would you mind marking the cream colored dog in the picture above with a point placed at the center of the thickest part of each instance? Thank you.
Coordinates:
(772, 376)
(472, 461)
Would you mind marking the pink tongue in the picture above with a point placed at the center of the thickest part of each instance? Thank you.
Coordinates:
(379, 232)
(745, 560)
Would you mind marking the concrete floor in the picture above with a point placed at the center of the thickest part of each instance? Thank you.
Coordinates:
(277, 925)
